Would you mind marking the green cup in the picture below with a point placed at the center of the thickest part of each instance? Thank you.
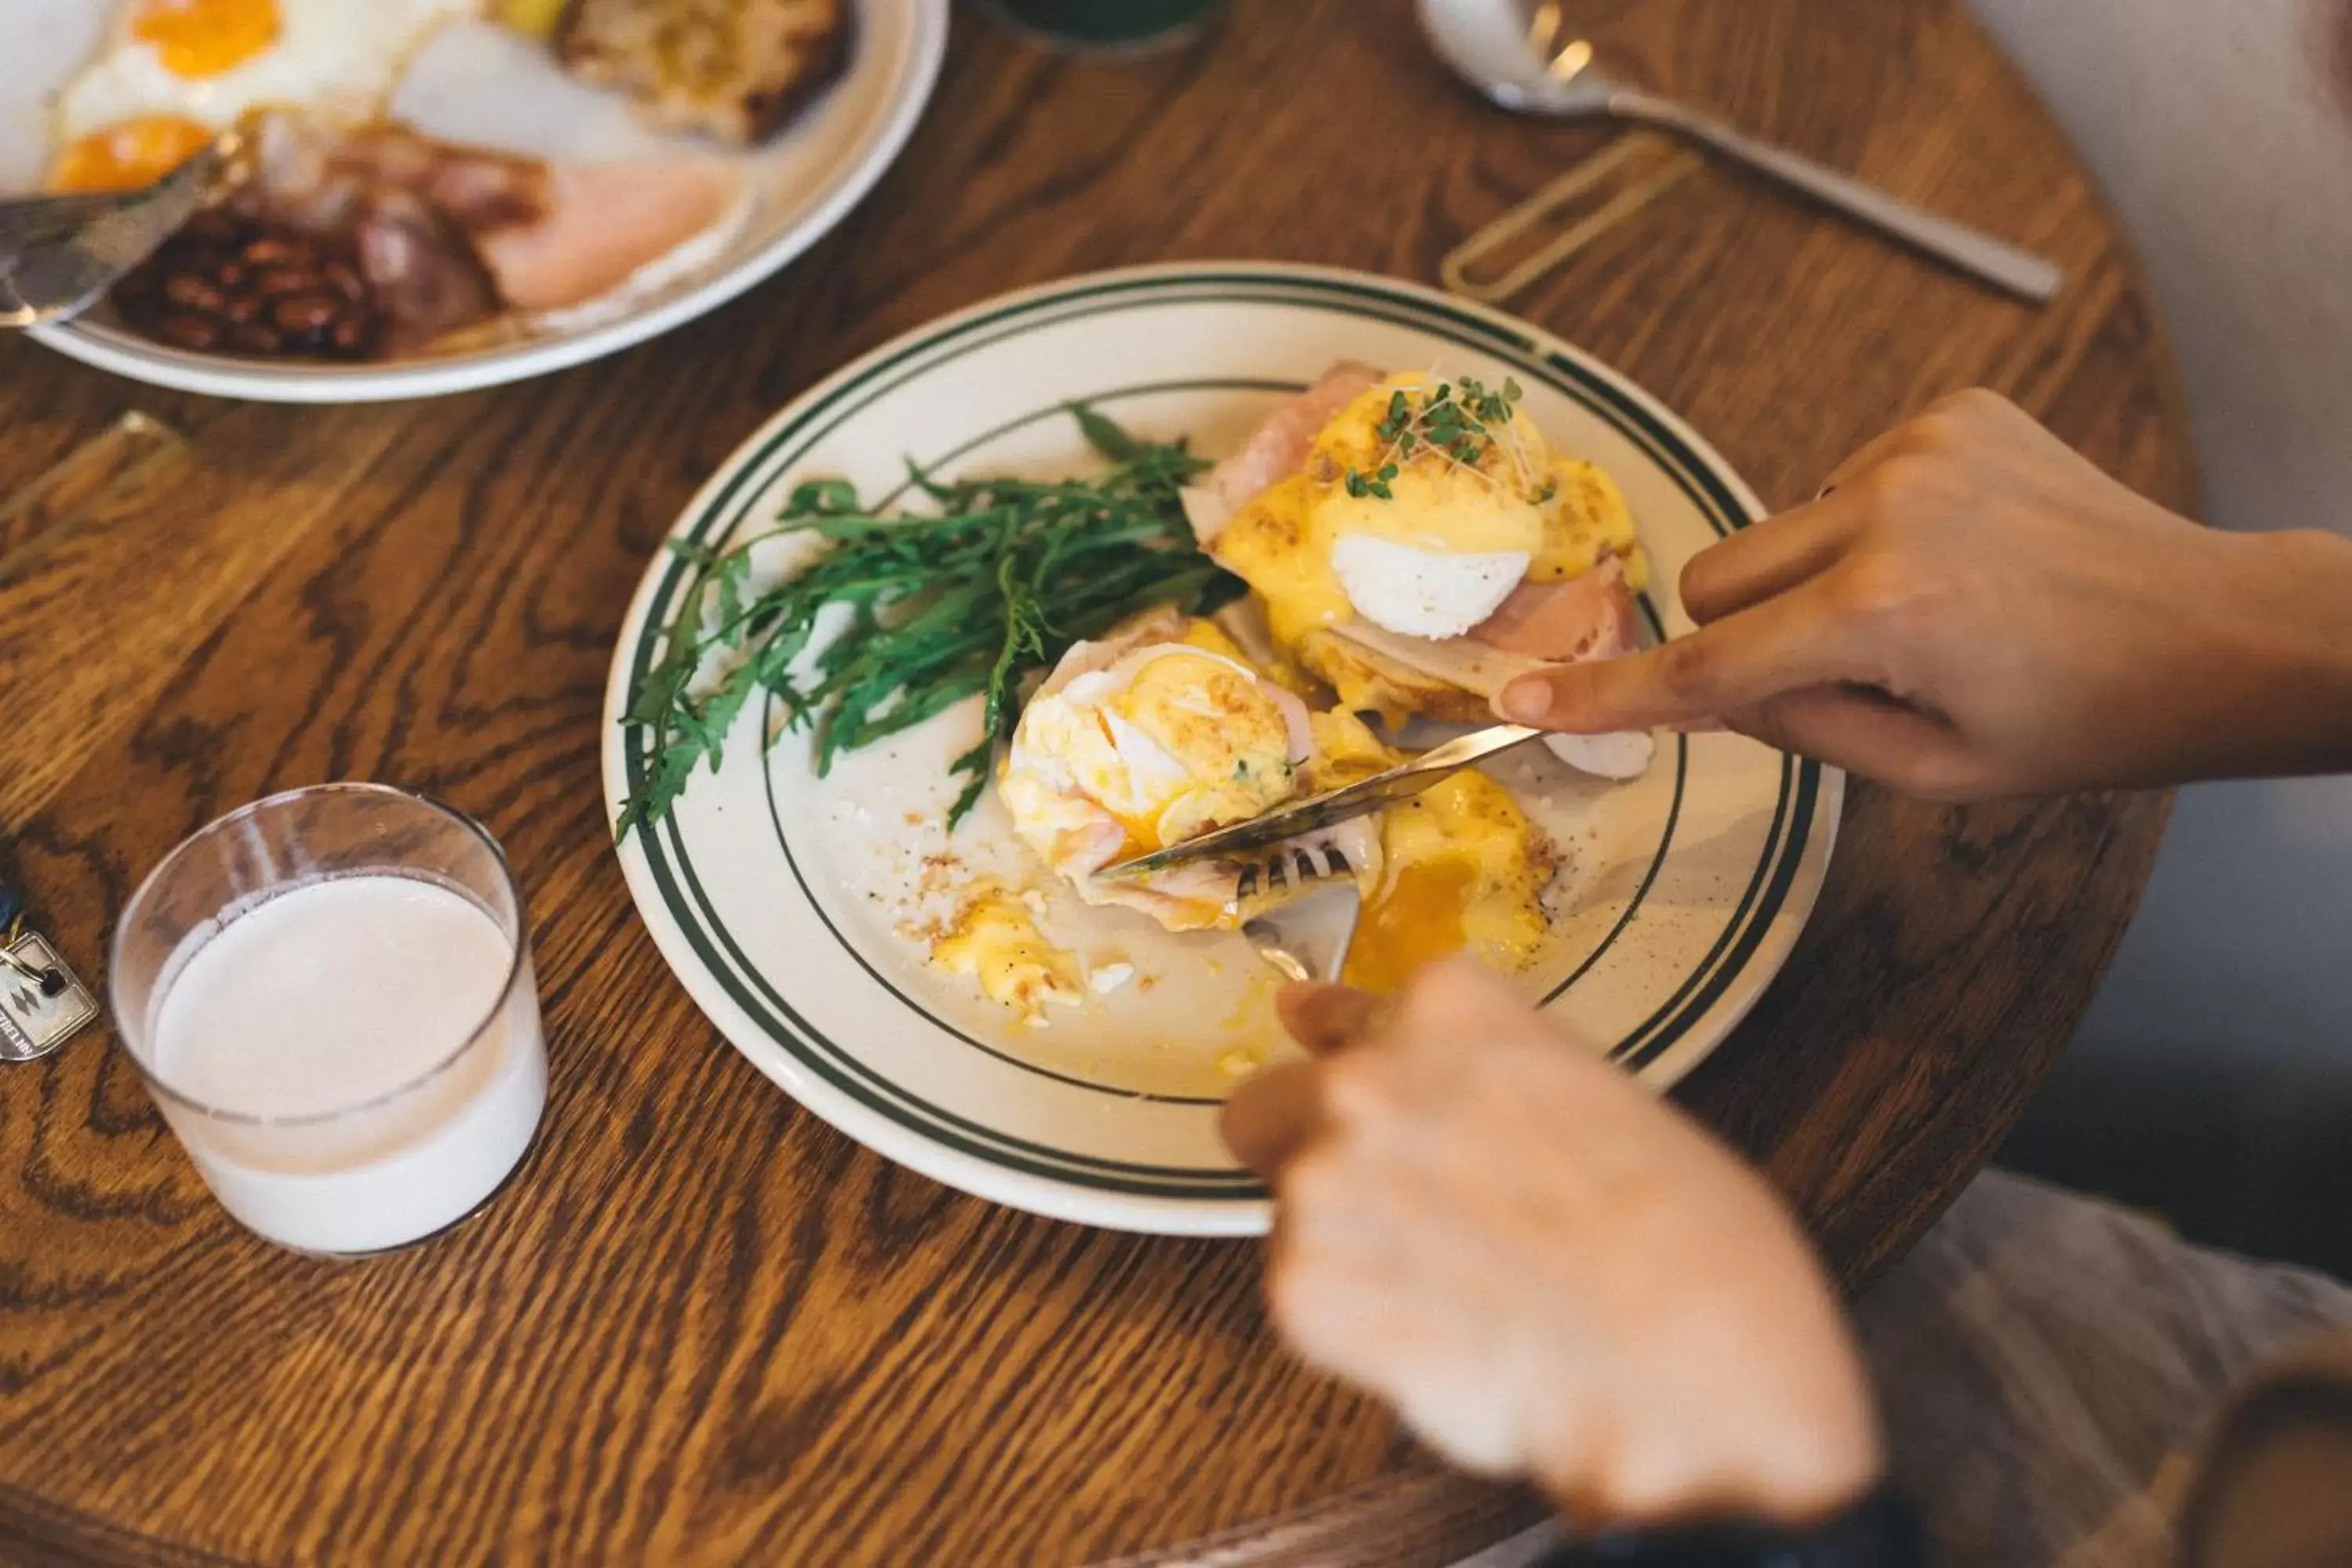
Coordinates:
(1106, 25)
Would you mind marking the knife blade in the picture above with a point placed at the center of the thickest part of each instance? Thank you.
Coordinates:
(1333, 806)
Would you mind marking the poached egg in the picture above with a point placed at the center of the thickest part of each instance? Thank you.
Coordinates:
(1434, 548)
(1156, 735)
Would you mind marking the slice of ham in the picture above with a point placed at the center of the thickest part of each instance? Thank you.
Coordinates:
(1465, 662)
(1278, 450)
(601, 223)
(1592, 616)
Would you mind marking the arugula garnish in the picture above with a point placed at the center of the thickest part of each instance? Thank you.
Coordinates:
(971, 600)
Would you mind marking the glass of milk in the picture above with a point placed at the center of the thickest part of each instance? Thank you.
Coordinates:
(329, 993)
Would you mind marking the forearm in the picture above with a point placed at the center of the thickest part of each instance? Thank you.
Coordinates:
(2312, 732)
(2255, 677)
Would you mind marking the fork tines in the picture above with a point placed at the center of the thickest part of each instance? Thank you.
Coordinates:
(1297, 863)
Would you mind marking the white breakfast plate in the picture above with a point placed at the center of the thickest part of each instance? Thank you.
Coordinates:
(476, 83)
(777, 897)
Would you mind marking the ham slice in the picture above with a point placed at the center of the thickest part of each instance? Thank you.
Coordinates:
(1592, 616)
(601, 223)
(1473, 666)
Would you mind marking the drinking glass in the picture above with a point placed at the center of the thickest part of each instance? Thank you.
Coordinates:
(362, 1066)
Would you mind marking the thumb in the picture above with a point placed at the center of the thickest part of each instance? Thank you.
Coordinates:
(1326, 1018)
(1791, 641)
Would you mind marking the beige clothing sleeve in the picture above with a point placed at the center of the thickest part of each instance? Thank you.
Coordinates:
(2052, 1369)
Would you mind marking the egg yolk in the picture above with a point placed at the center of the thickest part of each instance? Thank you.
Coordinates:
(126, 156)
(1221, 728)
(1416, 921)
(1208, 715)
(1466, 872)
(197, 38)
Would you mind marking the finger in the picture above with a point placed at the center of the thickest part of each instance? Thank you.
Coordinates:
(1326, 1018)
(1450, 1004)
(1866, 733)
(1803, 638)
(1273, 1116)
(1767, 558)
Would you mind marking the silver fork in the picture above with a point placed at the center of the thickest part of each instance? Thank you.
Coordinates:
(58, 254)
(1304, 937)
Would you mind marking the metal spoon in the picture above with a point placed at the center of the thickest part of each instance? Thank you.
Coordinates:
(59, 254)
(1521, 55)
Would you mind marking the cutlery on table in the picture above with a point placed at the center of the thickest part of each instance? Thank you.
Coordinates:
(1522, 55)
(58, 254)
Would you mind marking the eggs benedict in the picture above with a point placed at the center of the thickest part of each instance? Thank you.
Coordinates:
(1165, 729)
(1417, 543)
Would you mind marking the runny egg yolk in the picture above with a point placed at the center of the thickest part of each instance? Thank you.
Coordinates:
(1416, 921)
(197, 38)
(126, 156)
(1466, 873)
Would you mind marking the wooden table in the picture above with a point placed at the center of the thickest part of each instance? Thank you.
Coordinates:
(703, 1327)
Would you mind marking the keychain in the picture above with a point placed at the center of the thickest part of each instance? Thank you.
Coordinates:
(42, 1005)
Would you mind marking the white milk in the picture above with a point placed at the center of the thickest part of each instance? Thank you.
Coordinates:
(328, 1025)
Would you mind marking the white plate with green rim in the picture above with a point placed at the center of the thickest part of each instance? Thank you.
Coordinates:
(473, 82)
(780, 898)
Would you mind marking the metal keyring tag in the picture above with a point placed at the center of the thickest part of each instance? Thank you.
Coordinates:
(43, 1003)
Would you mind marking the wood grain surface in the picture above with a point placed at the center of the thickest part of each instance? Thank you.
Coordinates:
(702, 1327)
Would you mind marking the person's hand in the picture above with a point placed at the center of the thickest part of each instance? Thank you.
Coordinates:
(1972, 610)
(1546, 1270)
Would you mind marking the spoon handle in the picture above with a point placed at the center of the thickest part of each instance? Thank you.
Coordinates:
(2002, 265)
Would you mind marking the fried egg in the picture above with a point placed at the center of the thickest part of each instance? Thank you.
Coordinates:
(173, 73)
(1414, 540)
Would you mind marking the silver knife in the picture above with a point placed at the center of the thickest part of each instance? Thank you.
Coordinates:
(1333, 806)
(59, 253)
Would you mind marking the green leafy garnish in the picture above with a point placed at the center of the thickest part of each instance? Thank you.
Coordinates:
(1461, 422)
(969, 601)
